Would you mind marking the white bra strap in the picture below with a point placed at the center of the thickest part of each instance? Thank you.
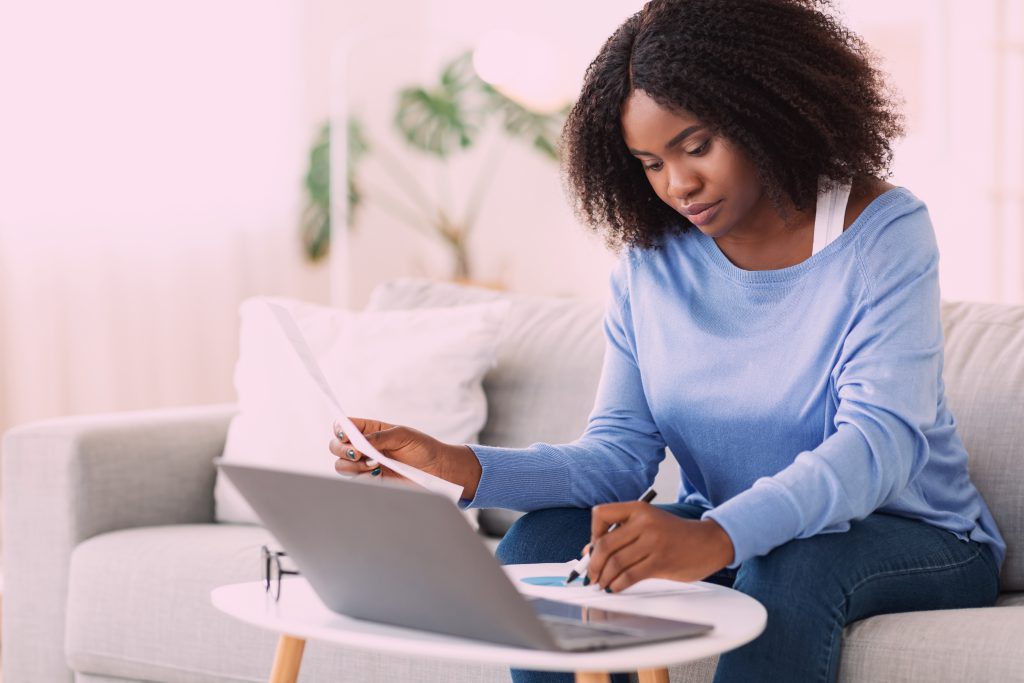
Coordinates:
(829, 216)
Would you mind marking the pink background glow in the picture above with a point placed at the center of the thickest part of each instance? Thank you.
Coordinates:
(151, 157)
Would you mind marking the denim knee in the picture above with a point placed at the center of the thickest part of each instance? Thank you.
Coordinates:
(551, 535)
(792, 577)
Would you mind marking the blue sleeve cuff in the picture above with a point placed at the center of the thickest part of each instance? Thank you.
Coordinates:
(514, 479)
(757, 520)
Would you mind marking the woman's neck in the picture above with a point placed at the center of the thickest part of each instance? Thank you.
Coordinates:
(766, 241)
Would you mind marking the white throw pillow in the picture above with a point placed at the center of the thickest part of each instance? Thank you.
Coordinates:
(420, 368)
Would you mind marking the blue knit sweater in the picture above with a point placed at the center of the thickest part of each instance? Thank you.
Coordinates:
(795, 400)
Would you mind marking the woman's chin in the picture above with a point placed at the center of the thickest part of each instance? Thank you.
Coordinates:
(716, 227)
(713, 230)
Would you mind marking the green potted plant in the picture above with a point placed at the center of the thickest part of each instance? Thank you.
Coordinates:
(441, 122)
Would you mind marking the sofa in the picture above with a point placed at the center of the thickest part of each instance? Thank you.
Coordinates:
(111, 549)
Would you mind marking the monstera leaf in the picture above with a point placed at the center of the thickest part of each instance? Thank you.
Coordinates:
(541, 129)
(443, 119)
(440, 120)
(316, 217)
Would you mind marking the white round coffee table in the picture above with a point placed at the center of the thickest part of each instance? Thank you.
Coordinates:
(299, 616)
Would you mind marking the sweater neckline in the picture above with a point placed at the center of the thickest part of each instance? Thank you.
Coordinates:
(718, 258)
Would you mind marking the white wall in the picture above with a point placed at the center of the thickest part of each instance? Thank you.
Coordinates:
(961, 68)
(150, 165)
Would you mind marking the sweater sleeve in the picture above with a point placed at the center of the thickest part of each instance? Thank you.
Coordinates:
(615, 458)
(886, 383)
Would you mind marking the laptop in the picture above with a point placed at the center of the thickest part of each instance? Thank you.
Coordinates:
(397, 554)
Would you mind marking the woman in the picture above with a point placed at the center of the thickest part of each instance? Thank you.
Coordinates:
(774, 322)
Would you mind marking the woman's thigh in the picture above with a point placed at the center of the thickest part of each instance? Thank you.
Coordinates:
(552, 535)
(812, 588)
(883, 564)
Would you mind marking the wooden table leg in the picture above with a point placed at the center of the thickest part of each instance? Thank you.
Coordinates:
(653, 675)
(287, 659)
(592, 677)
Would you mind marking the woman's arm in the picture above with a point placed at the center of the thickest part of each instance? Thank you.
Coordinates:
(617, 456)
(887, 382)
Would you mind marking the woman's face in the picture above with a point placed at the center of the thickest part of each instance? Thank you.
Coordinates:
(700, 175)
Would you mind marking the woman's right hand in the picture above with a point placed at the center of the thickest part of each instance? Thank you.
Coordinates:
(457, 464)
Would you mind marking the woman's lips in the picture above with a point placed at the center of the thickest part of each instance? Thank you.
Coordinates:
(704, 216)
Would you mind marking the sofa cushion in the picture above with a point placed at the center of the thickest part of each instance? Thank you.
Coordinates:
(984, 375)
(942, 645)
(934, 647)
(549, 357)
(139, 608)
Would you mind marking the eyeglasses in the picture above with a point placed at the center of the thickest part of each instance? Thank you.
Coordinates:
(270, 562)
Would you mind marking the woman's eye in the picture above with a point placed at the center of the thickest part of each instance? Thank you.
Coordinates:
(656, 166)
(700, 150)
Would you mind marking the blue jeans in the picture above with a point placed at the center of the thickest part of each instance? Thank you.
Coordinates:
(811, 587)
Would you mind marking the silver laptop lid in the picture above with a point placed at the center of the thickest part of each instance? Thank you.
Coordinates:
(392, 553)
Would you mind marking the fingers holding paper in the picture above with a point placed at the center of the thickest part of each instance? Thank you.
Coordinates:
(350, 460)
(409, 447)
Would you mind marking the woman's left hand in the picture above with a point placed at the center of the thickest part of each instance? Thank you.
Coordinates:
(651, 543)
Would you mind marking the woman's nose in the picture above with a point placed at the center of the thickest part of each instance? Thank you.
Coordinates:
(682, 183)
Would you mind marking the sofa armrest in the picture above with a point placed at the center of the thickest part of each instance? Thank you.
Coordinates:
(66, 480)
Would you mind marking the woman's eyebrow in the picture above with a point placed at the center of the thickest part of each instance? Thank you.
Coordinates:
(686, 132)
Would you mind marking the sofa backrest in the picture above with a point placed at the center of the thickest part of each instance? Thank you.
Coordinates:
(549, 361)
(984, 376)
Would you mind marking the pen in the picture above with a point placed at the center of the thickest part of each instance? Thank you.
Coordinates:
(584, 563)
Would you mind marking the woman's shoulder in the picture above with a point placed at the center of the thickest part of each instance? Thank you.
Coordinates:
(862, 193)
(882, 212)
(894, 235)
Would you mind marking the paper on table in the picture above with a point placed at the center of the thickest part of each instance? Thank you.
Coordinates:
(428, 481)
(580, 594)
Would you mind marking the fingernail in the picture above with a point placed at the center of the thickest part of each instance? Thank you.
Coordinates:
(586, 580)
(607, 589)
(375, 473)
(341, 434)
(351, 454)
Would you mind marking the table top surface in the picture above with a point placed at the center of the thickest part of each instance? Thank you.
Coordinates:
(737, 619)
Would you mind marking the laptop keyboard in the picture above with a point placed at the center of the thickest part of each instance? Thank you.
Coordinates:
(569, 630)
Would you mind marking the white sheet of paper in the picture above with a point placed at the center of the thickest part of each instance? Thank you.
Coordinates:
(428, 481)
(577, 593)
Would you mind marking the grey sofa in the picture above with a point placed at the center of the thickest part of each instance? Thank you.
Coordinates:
(111, 547)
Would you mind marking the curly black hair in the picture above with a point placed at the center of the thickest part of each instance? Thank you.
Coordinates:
(783, 80)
